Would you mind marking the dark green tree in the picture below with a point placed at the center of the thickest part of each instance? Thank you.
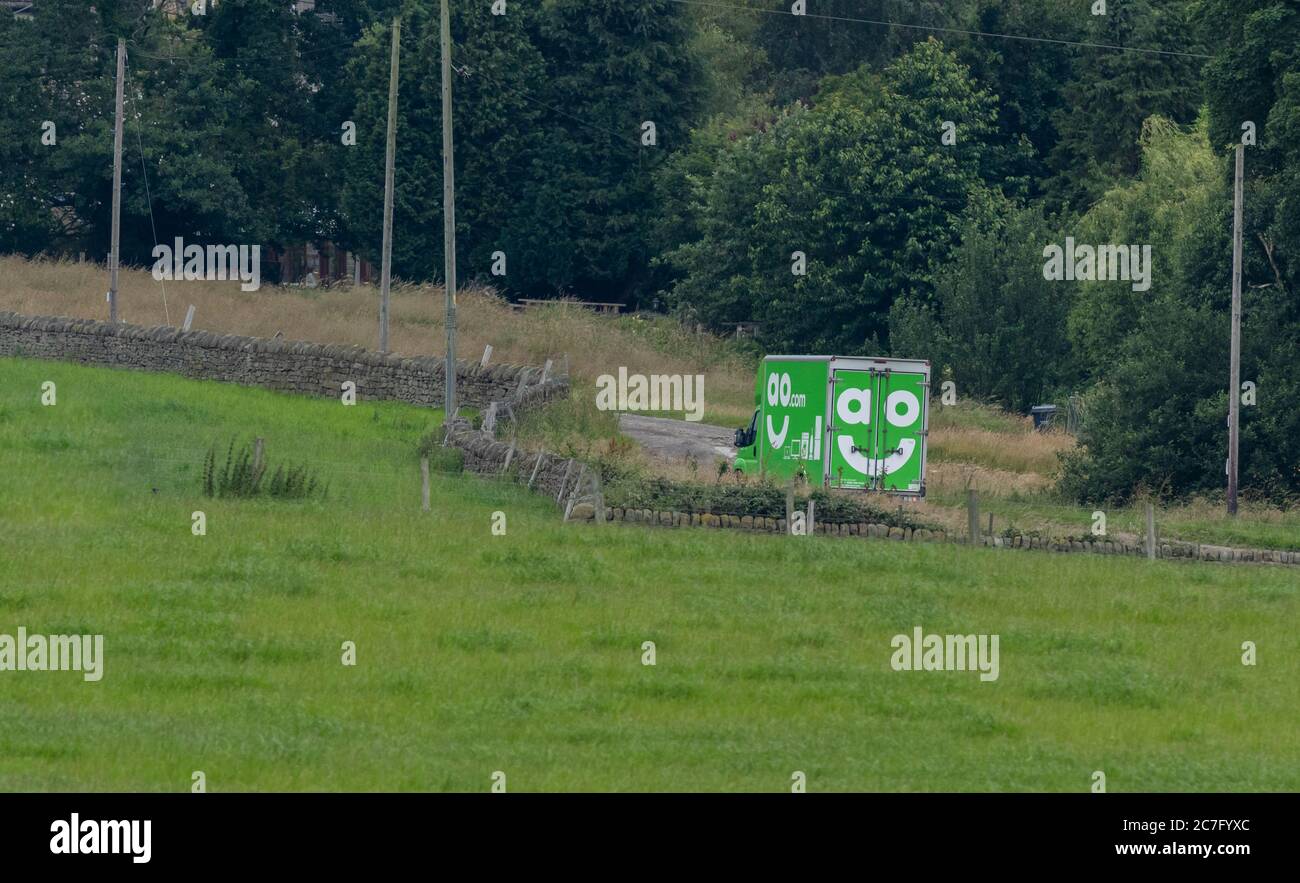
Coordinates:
(863, 185)
(57, 67)
(612, 67)
(996, 326)
(1157, 412)
(176, 111)
(802, 49)
(1255, 79)
(1028, 77)
(496, 132)
(1113, 91)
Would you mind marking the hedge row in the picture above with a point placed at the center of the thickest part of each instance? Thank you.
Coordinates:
(760, 500)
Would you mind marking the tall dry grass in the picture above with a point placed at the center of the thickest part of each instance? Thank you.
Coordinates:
(1026, 452)
(593, 344)
(1003, 449)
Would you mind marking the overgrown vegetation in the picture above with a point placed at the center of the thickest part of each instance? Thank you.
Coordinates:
(752, 498)
(448, 460)
(243, 475)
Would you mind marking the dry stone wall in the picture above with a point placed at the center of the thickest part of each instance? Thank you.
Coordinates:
(1166, 549)
(483, 454)
(556, 476)
(285, 365)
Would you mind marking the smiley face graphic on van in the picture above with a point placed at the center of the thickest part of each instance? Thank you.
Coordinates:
(853, 408)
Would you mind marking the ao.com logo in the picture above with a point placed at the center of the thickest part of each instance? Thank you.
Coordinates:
(779, 392)
(853, 408)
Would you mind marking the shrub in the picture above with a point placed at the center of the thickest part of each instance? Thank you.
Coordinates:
(758, 499)
(242, 478)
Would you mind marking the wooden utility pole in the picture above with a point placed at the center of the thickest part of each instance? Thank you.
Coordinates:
(389, 157)
(114, 258)
(448, 214)
(1234, 390)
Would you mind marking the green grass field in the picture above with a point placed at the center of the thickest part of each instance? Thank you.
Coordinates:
(1258, 526)
(522, 653)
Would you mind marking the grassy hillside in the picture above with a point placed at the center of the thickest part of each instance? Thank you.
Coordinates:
(521, 652)
(971, 445)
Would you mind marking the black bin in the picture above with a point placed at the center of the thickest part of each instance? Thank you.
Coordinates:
(1043, 416)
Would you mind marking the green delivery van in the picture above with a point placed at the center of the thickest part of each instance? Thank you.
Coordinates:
(840, 422)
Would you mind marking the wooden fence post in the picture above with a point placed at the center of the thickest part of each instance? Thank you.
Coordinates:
(972, 517)
(573, 494)
(509, 456)
(424, 484)
(600, 496)
(536, 466)
(564, 482)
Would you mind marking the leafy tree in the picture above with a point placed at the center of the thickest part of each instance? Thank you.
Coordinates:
(996, 327)
(611, 67)
(1255, 78)
(805, 48)
(494, 126)
(176, 106)
(1156, 421)
(1028, 77)
(862, 185)
(1177, 189)
(1113, 92)
(278, 142)
(732, 71)
(1156, 414)
(26, 220)
(683, 180)
(58, 67)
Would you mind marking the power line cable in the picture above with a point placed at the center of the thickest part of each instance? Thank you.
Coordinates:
(945, 30)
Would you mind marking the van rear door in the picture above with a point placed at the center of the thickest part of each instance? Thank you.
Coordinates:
(877, 426)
